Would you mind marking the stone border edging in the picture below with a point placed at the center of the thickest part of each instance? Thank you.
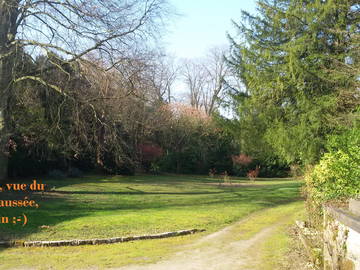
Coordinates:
(96, 241)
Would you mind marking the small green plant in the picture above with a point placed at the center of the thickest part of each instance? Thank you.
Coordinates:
(226, 178)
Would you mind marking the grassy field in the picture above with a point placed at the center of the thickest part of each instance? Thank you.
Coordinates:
(94, 207)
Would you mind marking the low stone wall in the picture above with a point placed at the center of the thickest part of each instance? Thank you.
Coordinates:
(113, 240)
(342, 237)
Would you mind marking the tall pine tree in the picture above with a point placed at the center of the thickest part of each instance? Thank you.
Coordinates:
(288, 56)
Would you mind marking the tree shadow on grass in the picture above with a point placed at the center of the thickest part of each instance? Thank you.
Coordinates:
(66, 205)
(47, 213)
(146, 179)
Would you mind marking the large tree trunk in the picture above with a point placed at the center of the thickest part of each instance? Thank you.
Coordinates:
(3, 141)
(8, 16)
(5, 80)
(100, 142)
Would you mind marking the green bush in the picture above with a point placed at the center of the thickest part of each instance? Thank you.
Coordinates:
(337, 176)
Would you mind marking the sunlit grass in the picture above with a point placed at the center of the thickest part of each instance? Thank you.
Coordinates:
(117, 206)
(100, 207)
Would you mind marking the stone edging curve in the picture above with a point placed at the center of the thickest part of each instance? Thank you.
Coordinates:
(113, 240)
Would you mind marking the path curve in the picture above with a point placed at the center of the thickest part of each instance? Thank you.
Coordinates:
(217, 251)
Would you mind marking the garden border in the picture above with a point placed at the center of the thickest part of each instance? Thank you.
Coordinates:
(75, 242)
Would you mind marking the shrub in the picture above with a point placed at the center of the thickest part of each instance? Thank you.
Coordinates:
(151, 153)
(253, 174)
(337, 176)
(242, 159)
(242, 163)
(212, 172)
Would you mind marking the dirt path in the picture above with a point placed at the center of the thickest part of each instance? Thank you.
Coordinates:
(217, 251)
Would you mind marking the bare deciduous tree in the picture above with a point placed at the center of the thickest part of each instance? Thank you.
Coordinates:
(162, 75)
(195, 79)
(205, 79)
(67, 31)
(217, 71)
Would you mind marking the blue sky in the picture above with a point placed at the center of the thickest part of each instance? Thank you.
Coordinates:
(203, 24)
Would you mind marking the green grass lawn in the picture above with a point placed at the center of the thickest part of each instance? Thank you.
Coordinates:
(95, 207)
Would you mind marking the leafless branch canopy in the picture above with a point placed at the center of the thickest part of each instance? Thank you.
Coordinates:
(205, 79)
(74, 28)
